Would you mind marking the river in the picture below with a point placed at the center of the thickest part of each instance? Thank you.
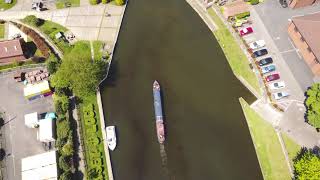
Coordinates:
(207, 135)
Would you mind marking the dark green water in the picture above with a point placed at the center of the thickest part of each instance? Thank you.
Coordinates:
(207, 135)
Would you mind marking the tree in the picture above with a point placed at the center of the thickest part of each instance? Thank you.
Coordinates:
(78, 72)
(94, 2)
(313, 105)
(52, 64)
(120, 2)
(32, 20)
(306, 165)
(64, 163)
(65, 176)
(61, 104)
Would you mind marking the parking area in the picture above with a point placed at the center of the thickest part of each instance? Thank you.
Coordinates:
(17, 140)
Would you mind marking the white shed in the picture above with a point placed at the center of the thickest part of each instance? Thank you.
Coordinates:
(46, 130)
(31, 120)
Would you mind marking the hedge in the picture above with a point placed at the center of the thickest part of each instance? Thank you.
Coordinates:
(242, 15)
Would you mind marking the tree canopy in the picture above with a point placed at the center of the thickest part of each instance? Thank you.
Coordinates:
(120, 2)
(307, 165)
(78, 72)
(313, 105)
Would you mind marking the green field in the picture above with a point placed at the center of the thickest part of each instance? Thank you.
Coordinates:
(235, 56)
(6, 6)
(2, 31)
(271, 158)
(62, 3)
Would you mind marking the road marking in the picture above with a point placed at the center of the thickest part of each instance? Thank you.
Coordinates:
(290, 50)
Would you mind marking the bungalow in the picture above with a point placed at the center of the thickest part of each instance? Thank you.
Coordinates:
(11, 50)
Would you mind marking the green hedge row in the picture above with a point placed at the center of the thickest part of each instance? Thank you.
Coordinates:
(92, 140)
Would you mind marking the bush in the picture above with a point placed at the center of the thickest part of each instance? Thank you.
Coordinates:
(254, 2)
(65, 176)
(94, 2)
(31, 20)
(64, 163)
(120, 2)
(63, 129)
(67, 149)
(52, 64)
(61, 104)
(242, 15)
(104, 1)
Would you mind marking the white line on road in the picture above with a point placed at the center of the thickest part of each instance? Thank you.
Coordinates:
(290, 50)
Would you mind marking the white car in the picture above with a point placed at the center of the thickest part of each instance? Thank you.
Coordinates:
(257, 44)
(277, 85)
(280, 95)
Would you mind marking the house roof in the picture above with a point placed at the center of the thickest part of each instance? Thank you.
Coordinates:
(309, 28)
(10, 48)
(235, 8)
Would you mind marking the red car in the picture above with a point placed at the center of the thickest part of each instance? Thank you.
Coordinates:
(272, 77)
(245, 31)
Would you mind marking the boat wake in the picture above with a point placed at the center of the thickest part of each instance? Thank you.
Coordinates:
(164, 159)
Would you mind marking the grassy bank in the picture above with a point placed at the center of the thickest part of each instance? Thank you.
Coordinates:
(292, 147)
(235, 56)
(271, 158)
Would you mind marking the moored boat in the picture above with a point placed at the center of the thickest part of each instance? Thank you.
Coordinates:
(158, 112)
(111, 137)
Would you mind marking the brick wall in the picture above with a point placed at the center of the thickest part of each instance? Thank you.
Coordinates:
(304, 49)
(302, 3)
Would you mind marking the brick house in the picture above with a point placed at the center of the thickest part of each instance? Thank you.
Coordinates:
(301, 3)
(11, 50)
(304, 31)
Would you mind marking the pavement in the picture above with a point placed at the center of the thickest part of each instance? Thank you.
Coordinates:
(18, 140)
(86, 22)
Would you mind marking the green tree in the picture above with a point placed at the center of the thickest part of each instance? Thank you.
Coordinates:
(313, 105)
(52, 64)
(78, 72)
(65, 176)
(120, 2)
(32, 20)
(63, 129)
(64, 163)
(61, 104)
(307, 165)
(94, 2)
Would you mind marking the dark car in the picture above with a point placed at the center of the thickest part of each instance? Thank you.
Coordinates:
(259, 53)
(272, 77)
(265, 61)
(283, 3)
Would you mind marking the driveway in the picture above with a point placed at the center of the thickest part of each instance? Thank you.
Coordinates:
(18, 140)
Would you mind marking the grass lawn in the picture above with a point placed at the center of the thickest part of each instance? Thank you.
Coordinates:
(61, 3)
(268, 148)
(6, 6)
(235, 56)
(292, 147)
(1, 31)
(87, 135)
(13, 65)
(97, 48)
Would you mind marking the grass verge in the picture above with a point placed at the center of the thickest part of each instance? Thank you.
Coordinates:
(67, 3)
(271, 158)
(1, 31)
(5, 6)
(292, 147)
(235, 56)
(91, 130)
(97, 48)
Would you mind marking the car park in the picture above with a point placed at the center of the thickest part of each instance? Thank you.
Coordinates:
(272, 77)
(277, 85)
(259, 53)
(265, 61)
(257, 44)
(267, 69)
(280, 95)
(246, 31)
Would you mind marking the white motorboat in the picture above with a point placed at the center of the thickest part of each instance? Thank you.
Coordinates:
(111, 137)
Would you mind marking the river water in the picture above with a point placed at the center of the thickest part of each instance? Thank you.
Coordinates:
(207, 135)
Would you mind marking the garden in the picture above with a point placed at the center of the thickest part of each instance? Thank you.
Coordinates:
(67, 3)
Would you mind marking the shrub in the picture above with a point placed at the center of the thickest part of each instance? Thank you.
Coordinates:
(242, 15)
(67, 149)
(104, 1)
(63, 129)
(52, 64)
(254, 2)
(120, 2)
(94, 2)
(65, 176)
(61, 104)
(60, 142)
(64, 163)
(32, 20)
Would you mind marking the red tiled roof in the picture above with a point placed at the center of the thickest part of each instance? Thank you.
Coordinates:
(10, 48)
(309, 28)
(235, 8)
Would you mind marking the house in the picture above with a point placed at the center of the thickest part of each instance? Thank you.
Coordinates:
(304, 31)
(235, 8)
(11, 50)
(301, 3)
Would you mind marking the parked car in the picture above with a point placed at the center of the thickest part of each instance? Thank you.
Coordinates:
(257, 44)
(283, 3)
(259, 53)
(245, 31)
(268, 69)
(272, 77)
(277, 85)
(265, 61)
(280, 95)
